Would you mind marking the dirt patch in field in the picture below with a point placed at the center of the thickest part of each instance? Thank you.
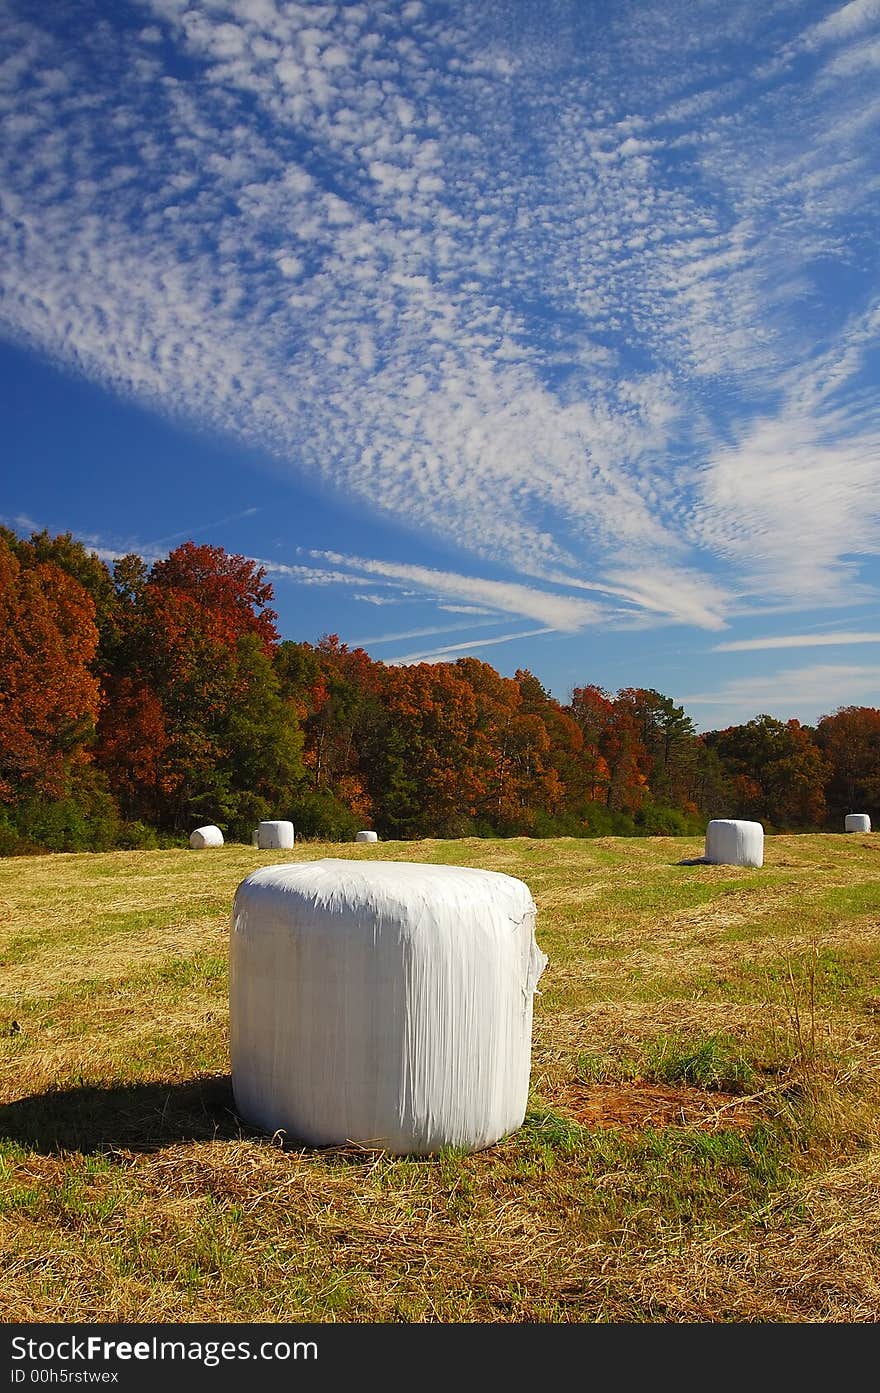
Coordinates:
(637, 1105)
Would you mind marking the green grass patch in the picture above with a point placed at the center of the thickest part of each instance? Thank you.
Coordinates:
(714, 1063)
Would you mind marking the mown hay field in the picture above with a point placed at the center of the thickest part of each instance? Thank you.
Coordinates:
(702, 1141)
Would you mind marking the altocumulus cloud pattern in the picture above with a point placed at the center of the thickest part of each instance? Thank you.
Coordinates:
(588, 290)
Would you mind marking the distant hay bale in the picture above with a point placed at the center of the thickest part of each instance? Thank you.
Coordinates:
(275, 836)
(733, 842)
(857, 822)
(255, 839)
(366, 837)
(205, 836)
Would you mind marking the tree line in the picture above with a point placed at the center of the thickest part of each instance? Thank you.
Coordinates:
(137, 702)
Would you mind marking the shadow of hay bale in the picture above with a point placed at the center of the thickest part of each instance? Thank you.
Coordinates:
(148, 1117)
(134, 1117)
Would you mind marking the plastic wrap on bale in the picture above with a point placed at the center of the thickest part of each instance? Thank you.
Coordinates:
(366, 836)
(204, 837)
(733, 842)
(857, 822)
(383, 1003)
(275, 836)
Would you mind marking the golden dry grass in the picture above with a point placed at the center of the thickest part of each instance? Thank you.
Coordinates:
(702, 1142)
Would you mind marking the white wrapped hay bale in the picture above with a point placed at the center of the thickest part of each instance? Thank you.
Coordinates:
(732, 842)
(384, 1003)
(275, 836)
(366, 836)
(857, 822)
(255, 839)
(205, 836)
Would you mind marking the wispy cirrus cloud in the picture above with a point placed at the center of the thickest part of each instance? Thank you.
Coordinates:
(562, 612)
(200, 528)
(463, 609)
(844, 27)
(428, 632)
(452, 651)
(753, 645)
(810, 691)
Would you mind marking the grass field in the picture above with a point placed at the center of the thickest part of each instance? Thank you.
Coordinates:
(702, 1141)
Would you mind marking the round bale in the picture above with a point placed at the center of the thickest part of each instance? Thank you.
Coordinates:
(366, 837)
(275, 836)
(382, 1003)
(857, 822)
(205, 836)
(733, 842)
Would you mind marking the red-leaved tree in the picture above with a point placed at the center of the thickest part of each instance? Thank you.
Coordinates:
(48, 696)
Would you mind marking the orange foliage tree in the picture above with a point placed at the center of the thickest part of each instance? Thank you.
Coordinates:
(205, 733)
(49, 698)
(426, 778)
(850, 741)
(615, 758)
(233, 588)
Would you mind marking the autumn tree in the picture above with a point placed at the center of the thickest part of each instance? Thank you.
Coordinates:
(777, 772)
(48, 696)
(210, 735)
(572, 783)
(615, 757)
(202, 713)
(335, 691)
(592, 710)
(850, 741)
(233, 588)
(82, 565)
(668, 737)
(426, 781)
(509, 748)
(132, 749)
(75, 559)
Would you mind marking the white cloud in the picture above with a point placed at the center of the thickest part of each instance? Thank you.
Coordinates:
(199, 528)
(610, 354)
(844, 23)
(680, 595)
(24, 523)
(561, 612)
(307, 575)
(463, 609)
(793, 506)
(856, 59)
(412, 633)
(805, 693)
(457, 650)
(751, 645)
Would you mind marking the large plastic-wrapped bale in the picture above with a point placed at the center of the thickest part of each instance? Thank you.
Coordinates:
(383, 1003)
(366, 836)
(205, 836)
(275, 836)
(733, 842)
(857, 822)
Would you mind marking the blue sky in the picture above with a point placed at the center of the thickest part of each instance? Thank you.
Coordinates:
(545, 333)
